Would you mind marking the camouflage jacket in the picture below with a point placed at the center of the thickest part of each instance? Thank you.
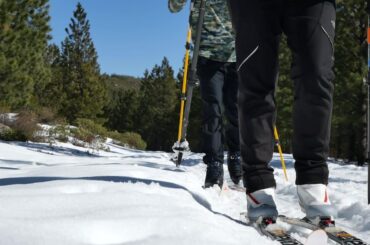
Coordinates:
(217, 40)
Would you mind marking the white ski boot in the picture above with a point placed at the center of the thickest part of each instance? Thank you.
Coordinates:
(261, 204)
(315, 203)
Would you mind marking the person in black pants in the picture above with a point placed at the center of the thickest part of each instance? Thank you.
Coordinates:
(310, 28)
(219, 86)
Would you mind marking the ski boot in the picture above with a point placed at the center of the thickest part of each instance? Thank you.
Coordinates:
(315, 203)
(215, 174)
(234, 166)
(261, 205)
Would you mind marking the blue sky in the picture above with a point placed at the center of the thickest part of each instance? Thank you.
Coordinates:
(130, 35)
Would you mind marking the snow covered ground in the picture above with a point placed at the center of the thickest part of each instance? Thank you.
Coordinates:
(65, 195)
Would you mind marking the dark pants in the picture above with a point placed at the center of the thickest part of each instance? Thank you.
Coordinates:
(309, 27)
(219, 87)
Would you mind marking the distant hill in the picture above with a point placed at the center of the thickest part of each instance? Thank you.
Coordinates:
(122, 82)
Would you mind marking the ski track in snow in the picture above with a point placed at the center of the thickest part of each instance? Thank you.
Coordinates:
(66, 195)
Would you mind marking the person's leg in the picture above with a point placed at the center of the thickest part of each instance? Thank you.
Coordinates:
(230, 100)
(257, 26)
(211, 79)
(230, 97)
(310, 30)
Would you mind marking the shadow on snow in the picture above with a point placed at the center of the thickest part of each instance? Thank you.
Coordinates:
(117, 179)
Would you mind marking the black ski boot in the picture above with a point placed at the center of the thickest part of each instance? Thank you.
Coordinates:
(215, 174)
(234, 166)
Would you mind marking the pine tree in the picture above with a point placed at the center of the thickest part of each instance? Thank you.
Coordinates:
(349, 117)
(284, 98)
(52, 93)
(24, 32)
(83, 87)
(156, 113)
(122, 110)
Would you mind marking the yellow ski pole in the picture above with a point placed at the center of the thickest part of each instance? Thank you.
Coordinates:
(280, 152)
(177, 147)
(189, 82)
(184, 84)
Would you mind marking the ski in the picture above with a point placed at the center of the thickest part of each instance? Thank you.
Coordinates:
(334, 233)
(269, 228)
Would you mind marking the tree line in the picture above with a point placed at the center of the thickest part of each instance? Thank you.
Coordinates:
(66, 79)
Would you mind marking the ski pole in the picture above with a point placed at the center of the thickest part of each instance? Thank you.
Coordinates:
(280, 152)
(184, 84)
(193, 69)
(178, 146)
(191, 81)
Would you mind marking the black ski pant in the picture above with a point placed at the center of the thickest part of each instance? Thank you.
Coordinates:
(309, 27)
(219, 87)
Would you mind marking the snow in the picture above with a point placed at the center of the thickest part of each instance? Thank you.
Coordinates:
(67, 195)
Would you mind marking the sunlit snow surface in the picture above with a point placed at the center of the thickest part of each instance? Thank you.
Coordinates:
(66, 195)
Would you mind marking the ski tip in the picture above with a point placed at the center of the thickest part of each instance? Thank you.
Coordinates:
(224, 188)
(318, 237)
